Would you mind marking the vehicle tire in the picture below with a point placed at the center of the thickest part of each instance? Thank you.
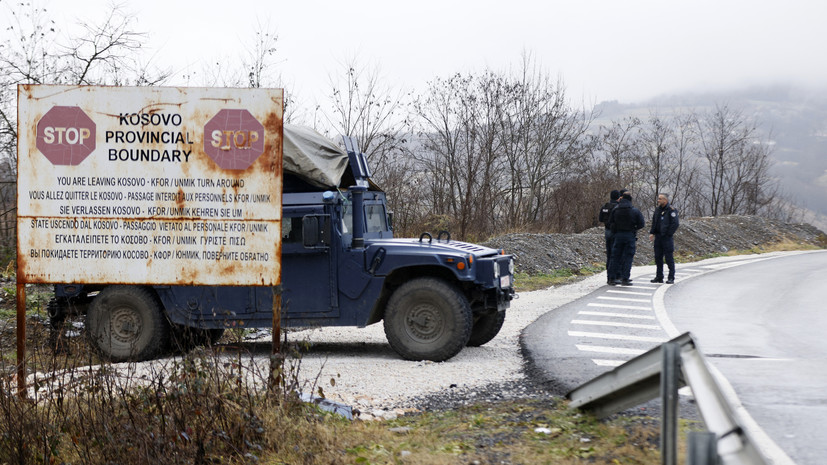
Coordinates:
(486, 327)
(427, 319)
(126, 323)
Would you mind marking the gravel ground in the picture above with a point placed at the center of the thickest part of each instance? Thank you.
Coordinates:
(369, 376)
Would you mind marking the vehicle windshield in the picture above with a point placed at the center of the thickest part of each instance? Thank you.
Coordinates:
(375, 218)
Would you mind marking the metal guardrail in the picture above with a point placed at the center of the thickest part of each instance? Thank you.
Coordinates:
(662, 371)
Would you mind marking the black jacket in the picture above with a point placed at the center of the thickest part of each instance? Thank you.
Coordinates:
(605, 211)
(626, 217)
(665, 221)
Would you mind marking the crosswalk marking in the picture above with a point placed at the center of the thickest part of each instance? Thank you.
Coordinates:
(627, 307)
(616, 315)
(620, 337)
(615, 324)
(630, 292)
(609, 350)
(608, 363)
(623, 299)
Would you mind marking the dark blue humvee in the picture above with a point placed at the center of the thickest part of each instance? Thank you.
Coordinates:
(341, 266)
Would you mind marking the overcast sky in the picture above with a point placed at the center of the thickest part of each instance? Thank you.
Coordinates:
(626, 50)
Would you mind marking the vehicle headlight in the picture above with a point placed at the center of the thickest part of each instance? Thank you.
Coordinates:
(496, 270)
(511, 267)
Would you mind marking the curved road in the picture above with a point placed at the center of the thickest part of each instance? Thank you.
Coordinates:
(759, 320)
(764, 327)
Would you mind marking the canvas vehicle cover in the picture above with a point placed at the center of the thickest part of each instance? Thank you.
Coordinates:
(313, 157)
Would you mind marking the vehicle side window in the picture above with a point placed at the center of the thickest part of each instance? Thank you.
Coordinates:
(347, 218)
(375, 218)
(291, 230)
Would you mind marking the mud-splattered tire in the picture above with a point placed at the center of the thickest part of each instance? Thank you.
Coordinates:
(427, 319)
(126, 323)
(486, 327)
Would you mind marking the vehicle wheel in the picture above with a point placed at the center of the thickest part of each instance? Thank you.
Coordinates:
(486, 327)
(125, 323)
(427, 319)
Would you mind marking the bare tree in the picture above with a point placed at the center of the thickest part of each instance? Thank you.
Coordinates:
(619, 144)
(656, 144)
(105, 53)
(544, 140)
(362, 106)
(737, 163)
(683, 185)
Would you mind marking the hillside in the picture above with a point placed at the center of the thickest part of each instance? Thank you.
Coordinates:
(696, 238)
(794, 119)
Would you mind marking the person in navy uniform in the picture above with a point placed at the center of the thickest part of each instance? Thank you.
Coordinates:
(624, 222)
(603, 217)
(665, 222)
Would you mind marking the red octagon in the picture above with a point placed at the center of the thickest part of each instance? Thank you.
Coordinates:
(65, 135)
(234, 139)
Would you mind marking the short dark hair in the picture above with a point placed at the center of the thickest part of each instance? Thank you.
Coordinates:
(627, 196)
(615, 194)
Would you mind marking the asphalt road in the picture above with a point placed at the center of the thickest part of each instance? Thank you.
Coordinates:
(759, 320)
(763, 325)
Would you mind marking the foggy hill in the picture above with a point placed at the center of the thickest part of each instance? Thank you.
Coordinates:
(793, 117)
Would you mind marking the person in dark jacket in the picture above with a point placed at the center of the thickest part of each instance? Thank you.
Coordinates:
(603, 217)
(665, 222)
(624, 222)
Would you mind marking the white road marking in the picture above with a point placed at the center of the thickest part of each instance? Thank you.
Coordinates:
(630, 292)
(627, 307)
(617, 315)
(620, 337)
(616, 324)
(623, 299)
(608, 363)
(609, 350)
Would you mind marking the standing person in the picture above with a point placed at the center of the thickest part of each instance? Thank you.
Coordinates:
(603, 217)
(665, 222)
(624, 221)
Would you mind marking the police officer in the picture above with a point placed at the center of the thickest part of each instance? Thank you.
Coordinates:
(603, 217)
(624, 222)
(665, 222)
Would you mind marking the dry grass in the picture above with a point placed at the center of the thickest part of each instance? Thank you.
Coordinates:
(516, 432)
(203, 408)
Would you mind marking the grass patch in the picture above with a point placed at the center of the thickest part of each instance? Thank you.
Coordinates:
(785, 245)
(525, 282)
(526, 431)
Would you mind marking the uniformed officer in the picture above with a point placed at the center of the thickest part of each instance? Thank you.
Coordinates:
(603, 217)
(624, 221)
(665, 222)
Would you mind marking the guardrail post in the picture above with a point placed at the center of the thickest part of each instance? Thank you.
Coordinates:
(669, 394)
(702, 448)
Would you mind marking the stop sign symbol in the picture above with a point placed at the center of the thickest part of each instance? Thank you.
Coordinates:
(234, 139)
(65, 135)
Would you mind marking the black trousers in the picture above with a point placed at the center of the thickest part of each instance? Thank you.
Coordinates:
(664, 252)
(609, 241)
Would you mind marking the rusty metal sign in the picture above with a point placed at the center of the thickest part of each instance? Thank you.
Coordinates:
(149, 185)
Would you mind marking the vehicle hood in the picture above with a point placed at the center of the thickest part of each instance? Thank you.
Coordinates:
(415, 246)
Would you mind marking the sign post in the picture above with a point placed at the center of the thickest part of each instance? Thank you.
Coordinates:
(148, 186)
